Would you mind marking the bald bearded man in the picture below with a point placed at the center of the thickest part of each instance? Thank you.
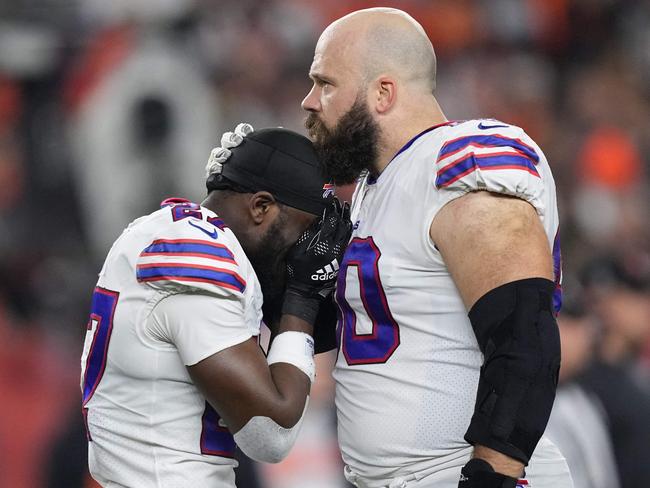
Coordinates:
(450, 217)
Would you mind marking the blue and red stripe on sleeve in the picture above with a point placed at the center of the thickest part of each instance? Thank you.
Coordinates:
(190, 248)
(186, 272)
(497, 152)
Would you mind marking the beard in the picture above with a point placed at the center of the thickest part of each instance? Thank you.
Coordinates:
(350, 147)
(269, 262)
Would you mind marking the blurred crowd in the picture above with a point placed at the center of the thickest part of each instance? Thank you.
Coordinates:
(108, 107)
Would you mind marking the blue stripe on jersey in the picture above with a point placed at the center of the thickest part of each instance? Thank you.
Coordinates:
(557, 271)
(190, 273)
(208, 249)
(493, 140)
(472, 162)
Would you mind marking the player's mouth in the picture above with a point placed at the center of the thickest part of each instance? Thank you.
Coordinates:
(315, 127)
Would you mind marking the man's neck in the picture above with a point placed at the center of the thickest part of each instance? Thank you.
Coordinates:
(210, 202)
(388, 151)
(394, 139)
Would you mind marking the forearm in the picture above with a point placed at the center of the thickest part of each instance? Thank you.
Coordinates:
(290, 322)
(291, 354)
(269, 438)
(280, 387)
(241, 383)
(508, 288)
(500, 462)
(292, 384)
(517, 381)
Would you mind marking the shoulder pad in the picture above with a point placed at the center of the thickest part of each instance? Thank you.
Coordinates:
(490, 155)
(190, 252)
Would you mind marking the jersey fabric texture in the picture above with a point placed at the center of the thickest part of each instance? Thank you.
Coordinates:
(175, 288)
(408, 364)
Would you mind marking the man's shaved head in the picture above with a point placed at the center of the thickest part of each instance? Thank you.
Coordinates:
(374, 74)
(386, 40)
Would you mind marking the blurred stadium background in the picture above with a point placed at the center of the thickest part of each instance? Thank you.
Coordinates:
(107, 107)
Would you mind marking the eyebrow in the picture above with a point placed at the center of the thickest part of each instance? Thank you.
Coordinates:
(321, 78)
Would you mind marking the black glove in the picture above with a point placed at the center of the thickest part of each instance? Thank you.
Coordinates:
(313, 262)
(478, 473)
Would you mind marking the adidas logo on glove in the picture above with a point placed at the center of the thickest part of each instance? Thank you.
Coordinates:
(327, 273)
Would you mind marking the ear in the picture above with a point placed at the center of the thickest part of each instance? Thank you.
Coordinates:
(260, 206)
(386, 94)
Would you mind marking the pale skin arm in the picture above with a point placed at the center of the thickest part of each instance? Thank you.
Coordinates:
(239, 384)
(488, 240)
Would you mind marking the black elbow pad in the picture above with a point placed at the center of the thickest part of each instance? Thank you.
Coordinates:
(516, 330)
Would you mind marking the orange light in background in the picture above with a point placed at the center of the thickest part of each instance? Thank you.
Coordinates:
(609, 157)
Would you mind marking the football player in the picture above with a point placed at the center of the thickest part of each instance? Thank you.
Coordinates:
(449, 348)
(172, 373)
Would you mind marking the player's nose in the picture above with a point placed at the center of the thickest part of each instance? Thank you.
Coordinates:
(311, 103)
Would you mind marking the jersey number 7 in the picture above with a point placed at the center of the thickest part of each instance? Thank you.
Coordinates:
(100, 325)
(98, 335)
(215, 440)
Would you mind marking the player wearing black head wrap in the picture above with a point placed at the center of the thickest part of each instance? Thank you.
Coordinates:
(172, 372)
(283, 163)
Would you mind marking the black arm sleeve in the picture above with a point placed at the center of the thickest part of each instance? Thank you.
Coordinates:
(516, 330)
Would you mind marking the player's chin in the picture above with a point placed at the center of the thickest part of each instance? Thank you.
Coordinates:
(311, 125)
(317, 136)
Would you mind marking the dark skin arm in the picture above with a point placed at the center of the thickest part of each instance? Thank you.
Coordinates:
(240, 385)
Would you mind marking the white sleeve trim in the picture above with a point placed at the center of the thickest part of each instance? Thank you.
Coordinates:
(199, 325)
(224, 345)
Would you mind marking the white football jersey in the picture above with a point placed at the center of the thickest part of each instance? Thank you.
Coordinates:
(176, 288)
(408, 364)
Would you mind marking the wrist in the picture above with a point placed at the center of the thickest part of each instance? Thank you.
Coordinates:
(291, 323)
(301, 306)
(501, 463)
(295, 348)
(478, 473)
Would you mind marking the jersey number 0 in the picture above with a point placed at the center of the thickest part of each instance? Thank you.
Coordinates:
(362, 256)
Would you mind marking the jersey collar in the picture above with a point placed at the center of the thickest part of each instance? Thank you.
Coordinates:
(425, 131)
(371, 179)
